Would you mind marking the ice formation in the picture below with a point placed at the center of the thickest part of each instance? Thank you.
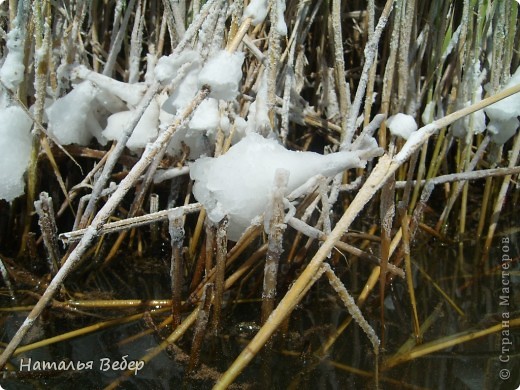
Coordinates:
(12, 70)
(281, 27)
(71, 119)
(401, 125)
(15, 143)
(222, 73)
(145, 131)
(258, 115)
(503, 115)
(460, 128)
(237, 184)
(130, 93)
(257, 11)
(428, 113)
(168, 67)
(206, 116)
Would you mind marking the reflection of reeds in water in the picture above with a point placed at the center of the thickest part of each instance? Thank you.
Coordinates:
(339, 61)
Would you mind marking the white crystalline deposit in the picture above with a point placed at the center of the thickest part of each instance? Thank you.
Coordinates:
(71, 117)
(184, 66)
(130, 93)
(15, 150)
(257, 11)
(258, 115)
(401, 125)
(237, 184)
(428, 113)
(222, 73)
(12, 70)
(145, 131)
(281, 27)
(183, 94)
(502, 130)
(168, 67)
(503, 114)
(460, 127)
(206, 116)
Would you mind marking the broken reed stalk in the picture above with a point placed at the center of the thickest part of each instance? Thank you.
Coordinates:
(220, 272)
(6, 279)
(387, 214)
(131, 223)
(154, 227)
(201, 324)
(385, 169)
(353, 309)
(275, 217)
(47, 223)
(474, 175)
(92, 232)
(409, 274)
(176, 229)
(275, 241)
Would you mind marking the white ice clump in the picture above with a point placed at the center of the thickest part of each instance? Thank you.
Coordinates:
(70, 117)
(145, 131)
(460, 128)
(503, 114)
(15, 151)
(281, 27)
(237, 184)
(502, 130)
(206, 116)
(130, 93)
(258, 115)
(401, 125)
(222, 73)
(428, 113)
(183, 94)
(257, 11)
(168, 67)
(13, 69)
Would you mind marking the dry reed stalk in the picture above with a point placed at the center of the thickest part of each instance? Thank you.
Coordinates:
(47, 223)
(131, 223)
(370, 53)
(176, 230)
(199, 331)
(387, 214)
(341, 79)
(6, 278)
(355, 313)
(275, 241)
(274, 250)
(220, 272)
(409, 274)
(154, 227)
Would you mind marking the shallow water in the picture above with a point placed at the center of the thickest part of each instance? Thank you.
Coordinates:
(292, 364)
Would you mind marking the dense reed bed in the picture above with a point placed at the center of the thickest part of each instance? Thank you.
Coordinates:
(419, 247)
